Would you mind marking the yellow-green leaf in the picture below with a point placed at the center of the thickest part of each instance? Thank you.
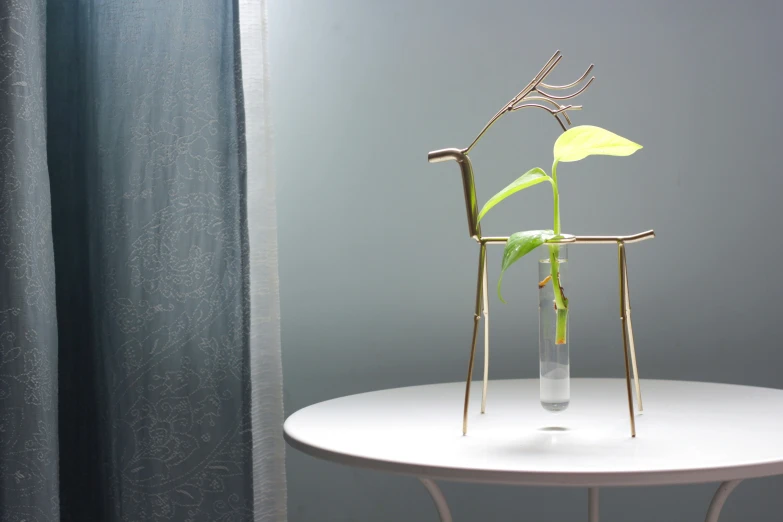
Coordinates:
(528, 179)
(587, 140)
(520, 244)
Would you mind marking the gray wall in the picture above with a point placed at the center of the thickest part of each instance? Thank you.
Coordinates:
(363, 90)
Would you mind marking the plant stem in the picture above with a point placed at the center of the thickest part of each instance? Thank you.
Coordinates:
(556, 195)
(561, 302)
(554, 255)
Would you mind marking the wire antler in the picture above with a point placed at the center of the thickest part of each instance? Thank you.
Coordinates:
(533, 93)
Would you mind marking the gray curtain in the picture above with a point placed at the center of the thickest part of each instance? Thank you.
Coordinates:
(28, 323)
(132, 113)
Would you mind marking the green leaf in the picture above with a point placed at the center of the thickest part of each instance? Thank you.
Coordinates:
(528, 179)
(520, 244)
(586, 140)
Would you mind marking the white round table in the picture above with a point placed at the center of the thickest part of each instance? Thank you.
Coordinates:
(690, 433)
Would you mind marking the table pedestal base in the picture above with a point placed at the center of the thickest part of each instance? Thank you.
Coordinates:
(438, 498)
(592, 505)
(713, 513)
(724, 490)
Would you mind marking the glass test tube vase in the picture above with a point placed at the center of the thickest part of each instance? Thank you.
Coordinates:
(554, 357)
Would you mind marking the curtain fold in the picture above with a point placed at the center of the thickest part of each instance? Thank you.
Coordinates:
(160, 233)
(28, 323)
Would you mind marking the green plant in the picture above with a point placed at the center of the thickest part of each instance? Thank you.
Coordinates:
(573, 145)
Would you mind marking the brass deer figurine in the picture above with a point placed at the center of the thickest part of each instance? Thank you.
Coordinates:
(536, 95)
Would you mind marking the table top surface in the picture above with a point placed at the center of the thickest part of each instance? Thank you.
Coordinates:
(690, 432)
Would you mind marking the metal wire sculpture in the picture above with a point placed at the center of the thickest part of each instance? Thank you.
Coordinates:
(536, 95)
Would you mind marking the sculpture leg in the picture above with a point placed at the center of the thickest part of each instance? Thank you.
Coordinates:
(724, 490)
(631, 344)
(623, 320)
(476, 317)
(485, 303)
(438, 498)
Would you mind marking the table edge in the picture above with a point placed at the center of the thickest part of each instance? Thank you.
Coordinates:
(544, 479)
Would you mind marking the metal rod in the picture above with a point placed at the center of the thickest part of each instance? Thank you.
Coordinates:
(556, 113)
(554, 103)
(533, 87)
(538, 78)
(649, 234)
(485, 302)
(567, 96)
(537, 106)
(440, 501)
(716, 506)
(597, 240)
(572, 84)
(593, 511)
(476, 317)
(623, 316)
(441, 155)
(471, 203)
(493, 240)
(468, 184)
(548, 67)
(560, 108)
(639, 404)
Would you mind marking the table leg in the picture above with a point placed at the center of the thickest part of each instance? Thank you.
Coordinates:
(438, 498)
(592, 505)
(724, 490)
